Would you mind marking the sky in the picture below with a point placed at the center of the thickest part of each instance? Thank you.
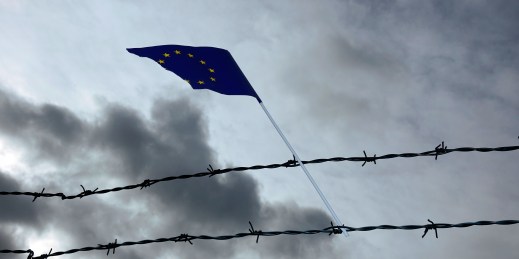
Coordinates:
(338, 76)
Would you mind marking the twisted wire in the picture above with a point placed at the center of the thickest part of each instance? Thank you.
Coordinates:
(438, 151)
(257, 233)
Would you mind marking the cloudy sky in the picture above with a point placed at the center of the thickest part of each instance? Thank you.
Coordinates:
(339, 76)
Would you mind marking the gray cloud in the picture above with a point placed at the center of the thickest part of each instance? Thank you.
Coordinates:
(17, 212)
(6, 242)
(288, 216)
(16, 209)
(174, 140)
(125, 134)
(51, 129)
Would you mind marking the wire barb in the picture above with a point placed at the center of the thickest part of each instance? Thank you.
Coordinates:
(291, 163)
(369, 159)
(428, 227)
(184, 238)
(255, 232)
(335, 229)
(213, 172)
(109, 246)
(146, 183)
(86, 192)
(43, 256)
(31, 254)
(36, 195)
(440, 150)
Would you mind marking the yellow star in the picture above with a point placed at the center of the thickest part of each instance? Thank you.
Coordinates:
(190, 55)
(200, 82)
(161, 61)
(202, 62)
(187, 81)
(212, 79)
(166, 55)
(211, 70)
(177, 52)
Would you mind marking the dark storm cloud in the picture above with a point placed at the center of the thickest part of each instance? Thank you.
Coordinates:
(190, 131)
(183, 136)
(171, 141)
(125, 134)
(288, 216)
(6, 242)
(51, 129)
(88, 222)
(176, 143)
(15, 209)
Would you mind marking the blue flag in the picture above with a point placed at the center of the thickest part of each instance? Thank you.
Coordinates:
(201, 67)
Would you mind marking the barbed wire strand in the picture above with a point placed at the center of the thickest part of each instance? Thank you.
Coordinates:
(438, 151)
(257, 233)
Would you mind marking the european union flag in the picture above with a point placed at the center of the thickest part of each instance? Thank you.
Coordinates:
(201, 67)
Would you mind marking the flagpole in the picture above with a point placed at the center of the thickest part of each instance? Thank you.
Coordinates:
(316, 187)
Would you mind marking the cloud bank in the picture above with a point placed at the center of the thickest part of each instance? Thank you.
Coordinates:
(129, 147)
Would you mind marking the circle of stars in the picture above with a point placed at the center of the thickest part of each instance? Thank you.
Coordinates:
(211, 70)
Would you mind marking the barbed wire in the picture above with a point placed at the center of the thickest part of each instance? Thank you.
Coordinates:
(438, 151)
(333, 229)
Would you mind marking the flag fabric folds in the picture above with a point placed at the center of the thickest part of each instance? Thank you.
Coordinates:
(201, 67)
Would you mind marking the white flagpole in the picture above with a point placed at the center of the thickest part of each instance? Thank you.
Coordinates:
(316, 187)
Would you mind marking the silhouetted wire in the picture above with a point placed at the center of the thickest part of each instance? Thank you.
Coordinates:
(257, 233)
(438, 151)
